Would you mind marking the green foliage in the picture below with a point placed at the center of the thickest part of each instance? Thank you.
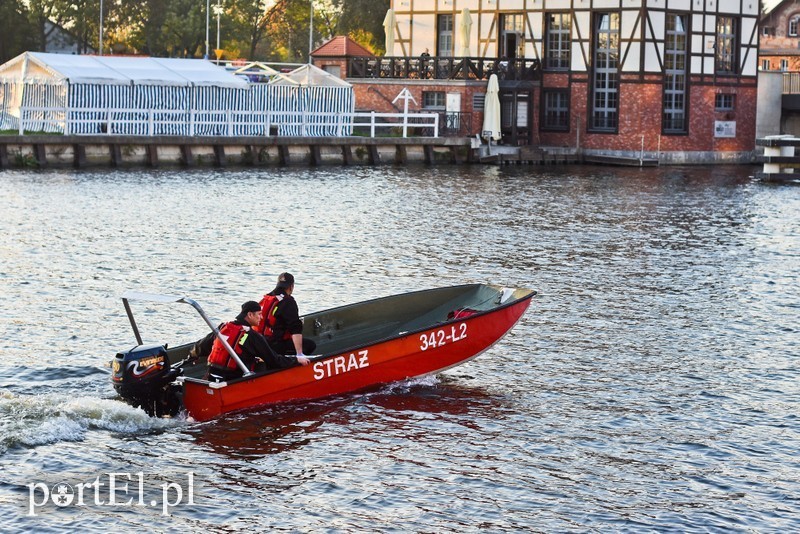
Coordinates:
(16, 33)
(25, 160)
(265, 30)
(363, 21)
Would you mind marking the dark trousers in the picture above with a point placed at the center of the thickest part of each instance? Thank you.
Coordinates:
(285, 346)
(220, 374)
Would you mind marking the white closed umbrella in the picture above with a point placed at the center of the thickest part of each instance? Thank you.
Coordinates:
(491, 110)
(464, 29)
(388, 27)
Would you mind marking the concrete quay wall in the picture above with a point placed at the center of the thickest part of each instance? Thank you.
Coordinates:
(82, 151)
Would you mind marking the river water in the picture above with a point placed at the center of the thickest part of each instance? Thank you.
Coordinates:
(652, 385)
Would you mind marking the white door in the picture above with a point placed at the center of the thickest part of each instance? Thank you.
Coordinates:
(453, 111)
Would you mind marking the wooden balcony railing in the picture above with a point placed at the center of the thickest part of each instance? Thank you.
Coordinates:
(791, 83)
(443, 68)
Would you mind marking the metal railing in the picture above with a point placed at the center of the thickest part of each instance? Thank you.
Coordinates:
(225, 123)
(443, 68)
(455, 123)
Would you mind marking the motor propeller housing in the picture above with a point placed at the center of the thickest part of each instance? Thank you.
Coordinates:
(143, 377)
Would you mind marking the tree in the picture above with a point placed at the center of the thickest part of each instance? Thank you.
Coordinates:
(363, 21)
(253, 20)
(185, 28)
(16, 30)
(40, 11)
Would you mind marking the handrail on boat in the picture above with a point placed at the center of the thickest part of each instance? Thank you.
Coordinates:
(172, 299)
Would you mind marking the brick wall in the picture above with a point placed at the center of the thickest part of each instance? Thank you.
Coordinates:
(640, 114)
(640, 120)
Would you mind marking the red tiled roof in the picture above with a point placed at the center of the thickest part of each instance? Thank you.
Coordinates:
(341, 46)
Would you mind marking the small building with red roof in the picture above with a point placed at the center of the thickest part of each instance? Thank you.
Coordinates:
(333, 56)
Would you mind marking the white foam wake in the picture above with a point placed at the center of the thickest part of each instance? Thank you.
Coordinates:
(31, 420)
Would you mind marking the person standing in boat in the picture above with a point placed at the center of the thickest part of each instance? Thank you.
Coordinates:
(281, 323)
(249, 345)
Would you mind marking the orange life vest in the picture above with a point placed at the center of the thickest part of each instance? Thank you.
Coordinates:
(269, 307)
(236, 335)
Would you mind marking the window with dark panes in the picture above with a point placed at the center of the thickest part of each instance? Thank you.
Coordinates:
(556, 110)
(444, 32)
(605, 77)
(559, 26)
(674, 120)
(433, 99)
(724, 102)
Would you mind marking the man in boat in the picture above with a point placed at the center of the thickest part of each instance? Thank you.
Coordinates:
(249, 345)
(281, 323)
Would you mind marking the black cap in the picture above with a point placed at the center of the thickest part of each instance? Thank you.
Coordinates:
(247, 307)
(285, 280)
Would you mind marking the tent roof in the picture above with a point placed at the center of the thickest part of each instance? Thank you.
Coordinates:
(118, 70)
(309, 75)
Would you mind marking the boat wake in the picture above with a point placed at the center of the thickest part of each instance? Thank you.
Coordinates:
(31, 420)
(409, 384)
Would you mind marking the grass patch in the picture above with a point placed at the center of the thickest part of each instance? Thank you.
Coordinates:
(28, 132)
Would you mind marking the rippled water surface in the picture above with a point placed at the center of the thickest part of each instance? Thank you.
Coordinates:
(652, 385)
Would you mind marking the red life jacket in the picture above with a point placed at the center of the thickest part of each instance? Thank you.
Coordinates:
(269, 307)
(235, 335)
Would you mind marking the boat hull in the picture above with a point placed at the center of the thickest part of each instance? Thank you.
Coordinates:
(404, 356)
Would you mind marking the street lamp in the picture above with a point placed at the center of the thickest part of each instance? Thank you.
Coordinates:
(101, 27)
(310, 29)
(208, 14)
(218, 12)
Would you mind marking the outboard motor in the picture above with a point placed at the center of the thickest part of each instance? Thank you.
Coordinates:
(143, 377)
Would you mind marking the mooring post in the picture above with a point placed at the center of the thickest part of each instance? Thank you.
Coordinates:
(374, 155)
(78, 155)
(186, 155)
(40, 153)
(315, 155)
(430, 158)
(347, 155)
(219, 155)
(152, 155)
(116, 154)
(283, 154)
(400, 155)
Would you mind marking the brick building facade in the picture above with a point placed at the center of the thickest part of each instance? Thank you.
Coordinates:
(780, 37)
(669, 79)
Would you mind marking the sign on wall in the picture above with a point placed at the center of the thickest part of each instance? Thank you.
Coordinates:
(724, 128)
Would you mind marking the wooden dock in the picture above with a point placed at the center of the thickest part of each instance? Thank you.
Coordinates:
(80, 151)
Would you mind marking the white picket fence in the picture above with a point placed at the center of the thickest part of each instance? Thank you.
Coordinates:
(227, 123)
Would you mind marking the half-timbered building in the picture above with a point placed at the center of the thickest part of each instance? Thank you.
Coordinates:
(672, 79)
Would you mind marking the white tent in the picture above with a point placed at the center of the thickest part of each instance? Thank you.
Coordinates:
(157, 96)
(309, 75)
(63, 68)
(325, 101)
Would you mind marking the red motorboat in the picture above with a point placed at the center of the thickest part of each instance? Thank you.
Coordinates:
(359, 345)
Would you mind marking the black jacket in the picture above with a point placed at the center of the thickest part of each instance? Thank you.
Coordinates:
(287, 317)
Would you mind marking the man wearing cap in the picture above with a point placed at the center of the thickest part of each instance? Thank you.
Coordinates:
(250, 346)
(280, 322)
